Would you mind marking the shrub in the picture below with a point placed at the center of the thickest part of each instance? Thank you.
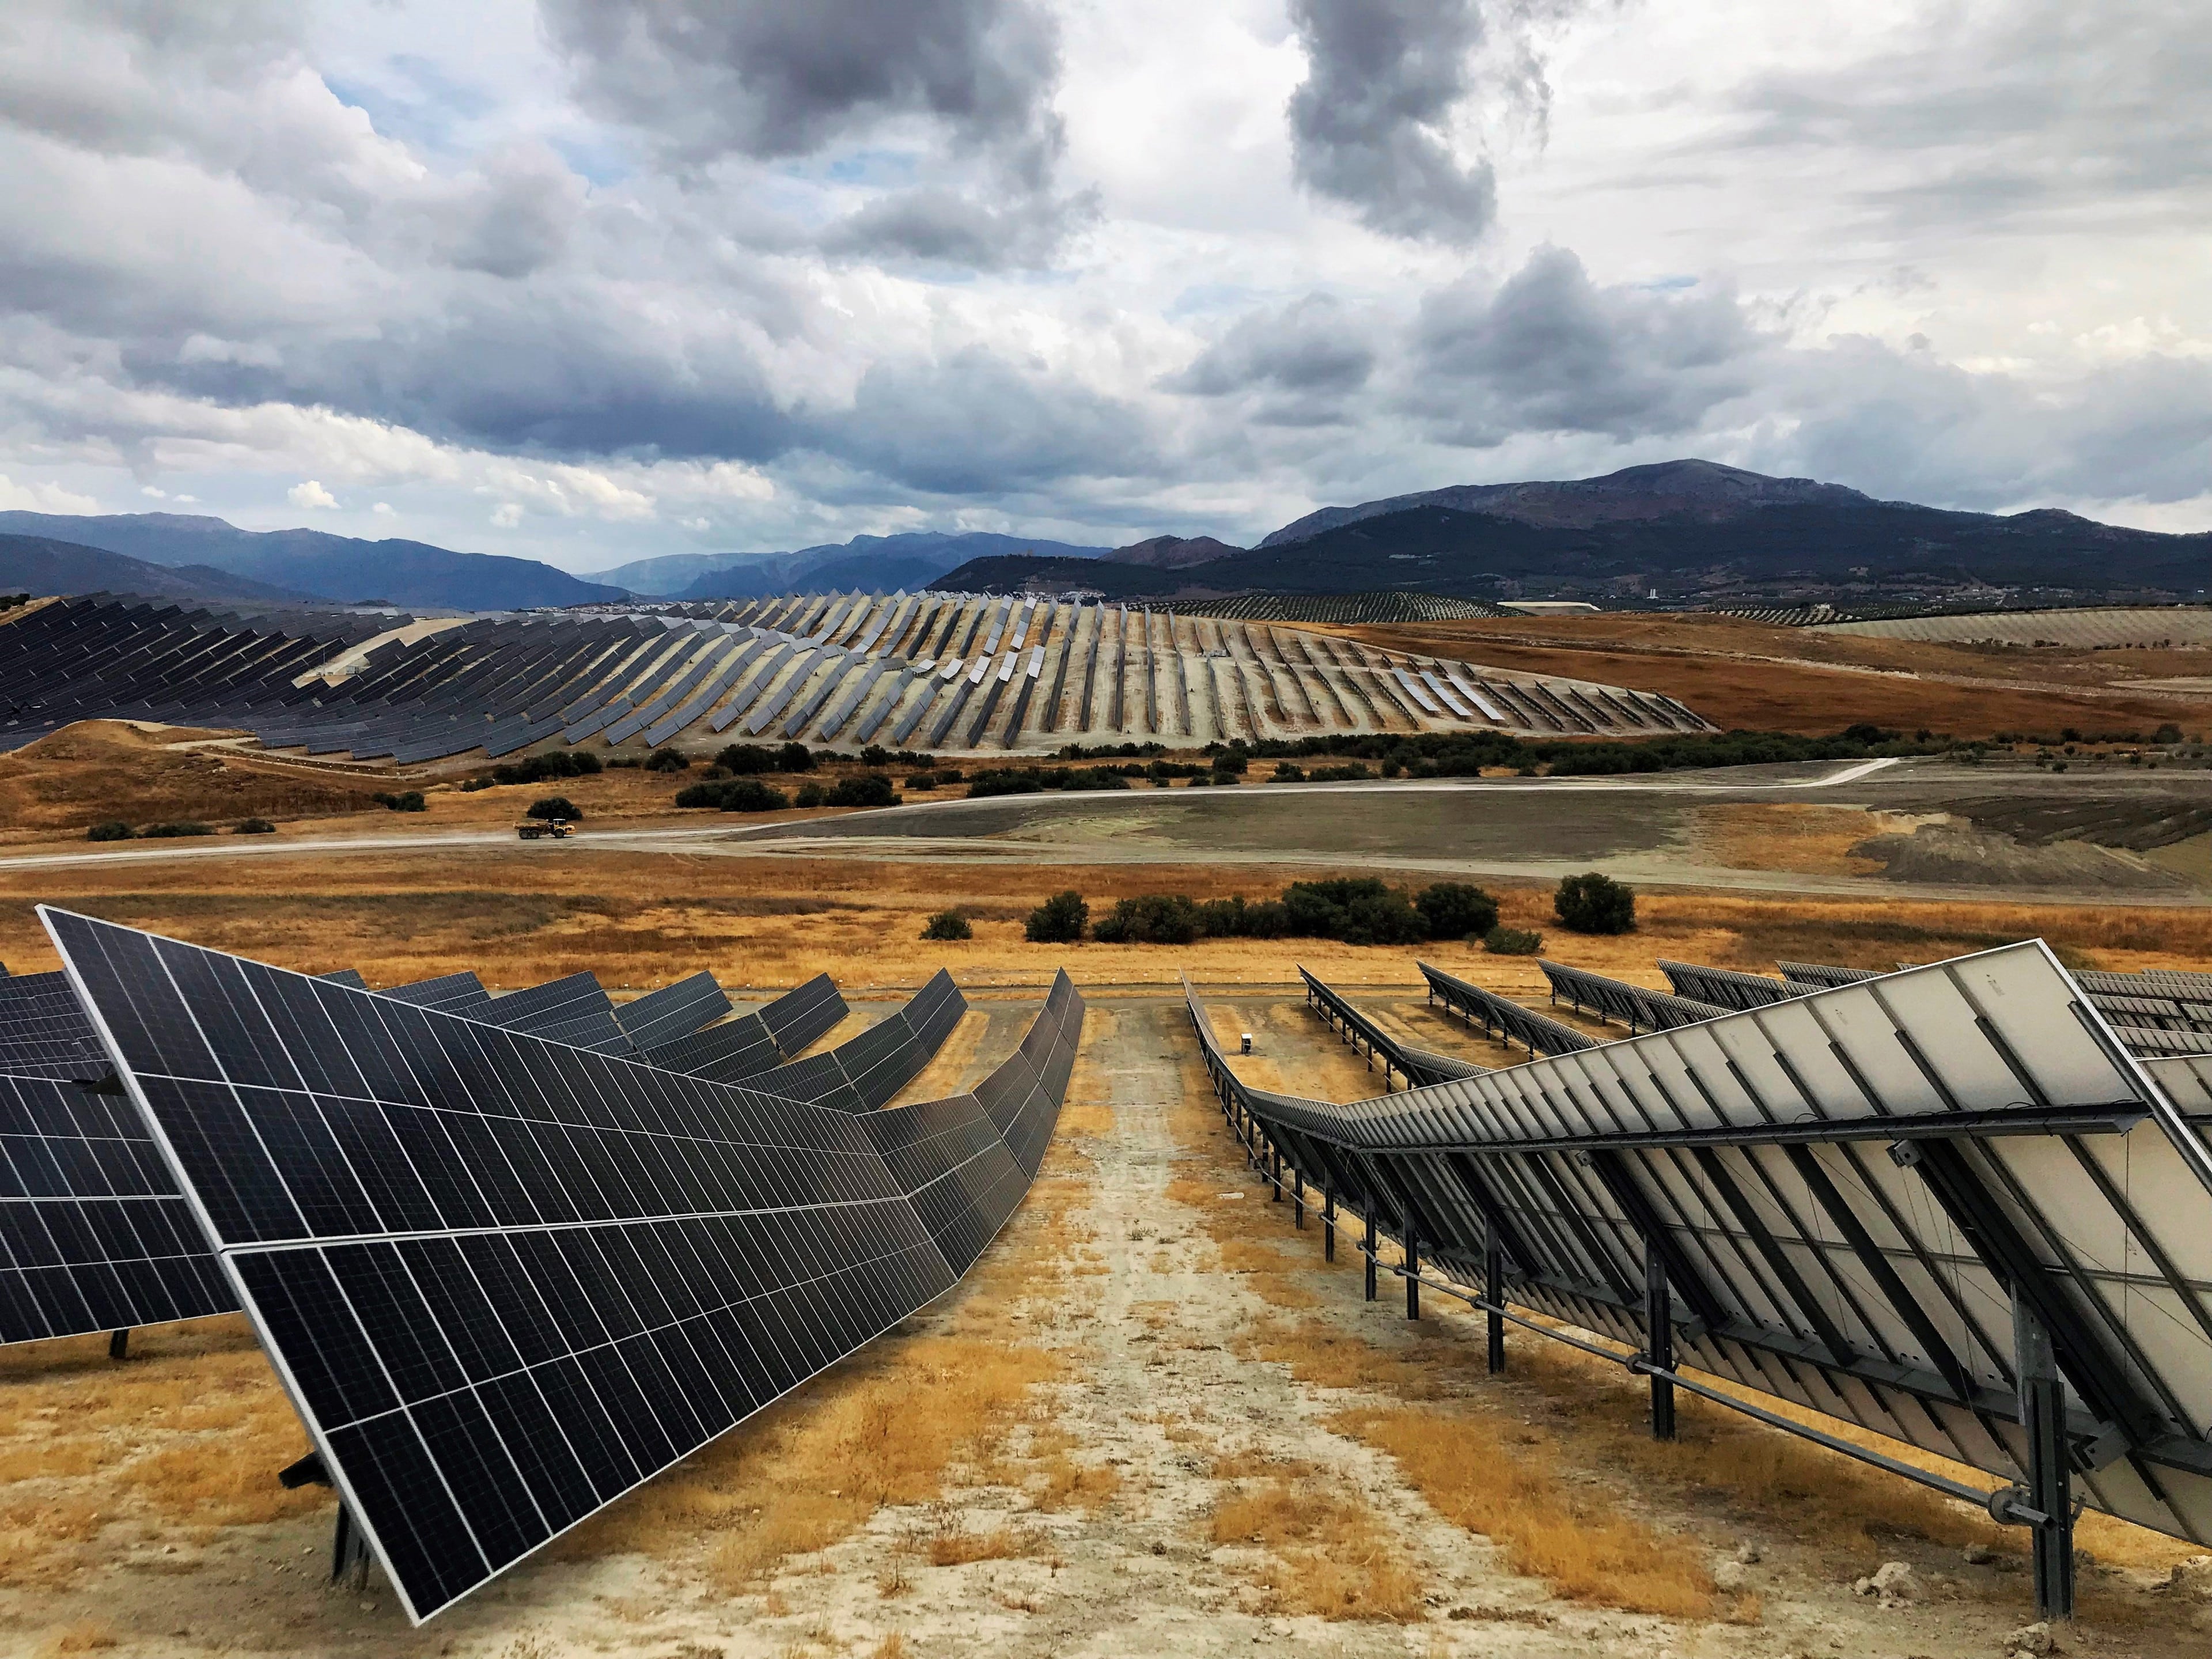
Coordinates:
(794, 758)
(922, 780)
(1232, 918)
(811, 793)
(1512, 942)
(732, 795)
(1286, 772)
(1358, 909)
(1593, 904)
(876, 755)
(867, 789)
(1059, 921)
(1149, 918)
(948, 925)
(1452, 910)
(181, 827)
(469, 786)
(744, 759)
(254, 826)
(668, 760)
(554, 807)
(111, 830)
(561, 764)
(1347, 774)
(412, 801)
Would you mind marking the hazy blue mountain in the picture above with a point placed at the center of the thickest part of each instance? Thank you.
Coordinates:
(343, 568)
(910, 559)
(39, 565)
(671, 573)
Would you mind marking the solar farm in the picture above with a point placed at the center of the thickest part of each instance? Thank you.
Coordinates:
(956, 672)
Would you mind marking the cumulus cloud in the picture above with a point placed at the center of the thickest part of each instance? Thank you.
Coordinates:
(1297, 365)
(312, 496)
(1370, 125)
(47, 497)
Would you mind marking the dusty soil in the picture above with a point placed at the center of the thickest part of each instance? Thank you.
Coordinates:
(1224, 1446)
(1741, 673)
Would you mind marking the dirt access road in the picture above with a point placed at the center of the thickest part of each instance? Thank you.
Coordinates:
(1256, 1457)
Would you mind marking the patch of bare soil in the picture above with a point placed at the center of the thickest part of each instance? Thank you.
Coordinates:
(97, 771)
(1958, 853)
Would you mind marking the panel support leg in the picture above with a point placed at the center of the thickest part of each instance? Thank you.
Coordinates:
(1659, 1342)
(1329, 1226)
(2043, 1416)
(1275, 1175)
(119, 1344)
(1297, 1197)
(349, 1549)
(1412, 1276)
(1493, 1275)
(1368, 1249)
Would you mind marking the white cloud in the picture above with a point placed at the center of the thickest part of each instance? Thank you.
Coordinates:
(156, 495)
(310, 495)
(382, 509)
(42, 498)
(506, 515)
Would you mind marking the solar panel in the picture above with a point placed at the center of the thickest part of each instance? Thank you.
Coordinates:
(673, 1011)
(505, 1281)
(1502, 1016)
(752, 1043)
(94, 1235)
(1416, 1065)
(1944, 1204)
(1618, 1000)
(451, 992)
(575, 1010)
(864, 1073)
(1725, 988)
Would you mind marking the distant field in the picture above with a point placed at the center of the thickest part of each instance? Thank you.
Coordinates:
(2152, 626)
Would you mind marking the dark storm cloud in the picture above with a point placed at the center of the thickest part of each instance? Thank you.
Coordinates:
(1370, 125)
(944, 227)
(767, 79)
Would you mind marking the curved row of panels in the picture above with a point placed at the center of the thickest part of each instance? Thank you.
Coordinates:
(1880, 1199)
(932, 671)
(505, 1277)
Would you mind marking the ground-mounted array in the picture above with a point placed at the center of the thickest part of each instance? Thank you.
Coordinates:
(940, 671)
(1946, 1204)
(506, 1280)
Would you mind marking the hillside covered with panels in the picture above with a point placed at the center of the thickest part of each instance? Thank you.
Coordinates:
(950, 671)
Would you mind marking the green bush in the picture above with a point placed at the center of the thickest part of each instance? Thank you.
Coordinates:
(668, 760)
(254, 826)
(1357, 910)
(733, 795)
(561, 764)
(867, 789)
(412, 801)
(1060, 920)
(1286, 772)
(1593, 904)
(1232, 918)
(181, 827)
(876, 755)
(1512, 942)
(794, 758)
(111, 830)
(811, 793)
(948, 925)
(1149, 918)
(469, 786)
(1452, 910)
(744, 759)
(553, 808)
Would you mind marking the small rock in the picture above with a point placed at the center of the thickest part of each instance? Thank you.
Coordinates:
(1897, 1581)
(2034, 1639)
(2192, 1579)
(1747, 1554)
(1729, 1578)
(1977, 1555)
(1862, 1587)
(2201, 1620)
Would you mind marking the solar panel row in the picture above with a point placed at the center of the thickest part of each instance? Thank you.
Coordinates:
(506, 1280)
(1944, 1204)
(1416, 1065)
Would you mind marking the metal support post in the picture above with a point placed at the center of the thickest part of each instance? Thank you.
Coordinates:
(2043, 1418)
(1493, 1275)
(1297, 1197)
(1412, 1276)
(1275, 1175)
(1659, 1341)
(119, 1344)
(1329, 1226)
(1368, 1249)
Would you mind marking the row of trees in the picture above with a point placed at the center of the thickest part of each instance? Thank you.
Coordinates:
(1356, 910)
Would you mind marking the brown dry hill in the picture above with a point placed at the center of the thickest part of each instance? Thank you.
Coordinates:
(1740, 673)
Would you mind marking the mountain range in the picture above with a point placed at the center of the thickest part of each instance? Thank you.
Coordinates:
(1684, 532)
(1689, 532)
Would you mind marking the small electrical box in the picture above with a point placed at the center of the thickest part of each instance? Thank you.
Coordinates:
(1247, 1042)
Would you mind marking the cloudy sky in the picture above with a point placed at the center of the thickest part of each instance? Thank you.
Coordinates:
(592, 280)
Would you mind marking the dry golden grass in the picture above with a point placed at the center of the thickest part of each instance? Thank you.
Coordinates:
(957, 1546)
(192, 1429)
(1335, 1557)
(1812, 840)
(88, 1636)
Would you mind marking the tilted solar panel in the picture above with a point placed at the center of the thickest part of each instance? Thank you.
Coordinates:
(504, 1280)
(575, 1010)
(94, 1235)
(674, 1011)
(864, 1072)
(1631, 1006)
(1945, 1204)
(802, 1015)
(1725, 988)
(1416, 1065)
(1538, 1033)
(454, 993)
